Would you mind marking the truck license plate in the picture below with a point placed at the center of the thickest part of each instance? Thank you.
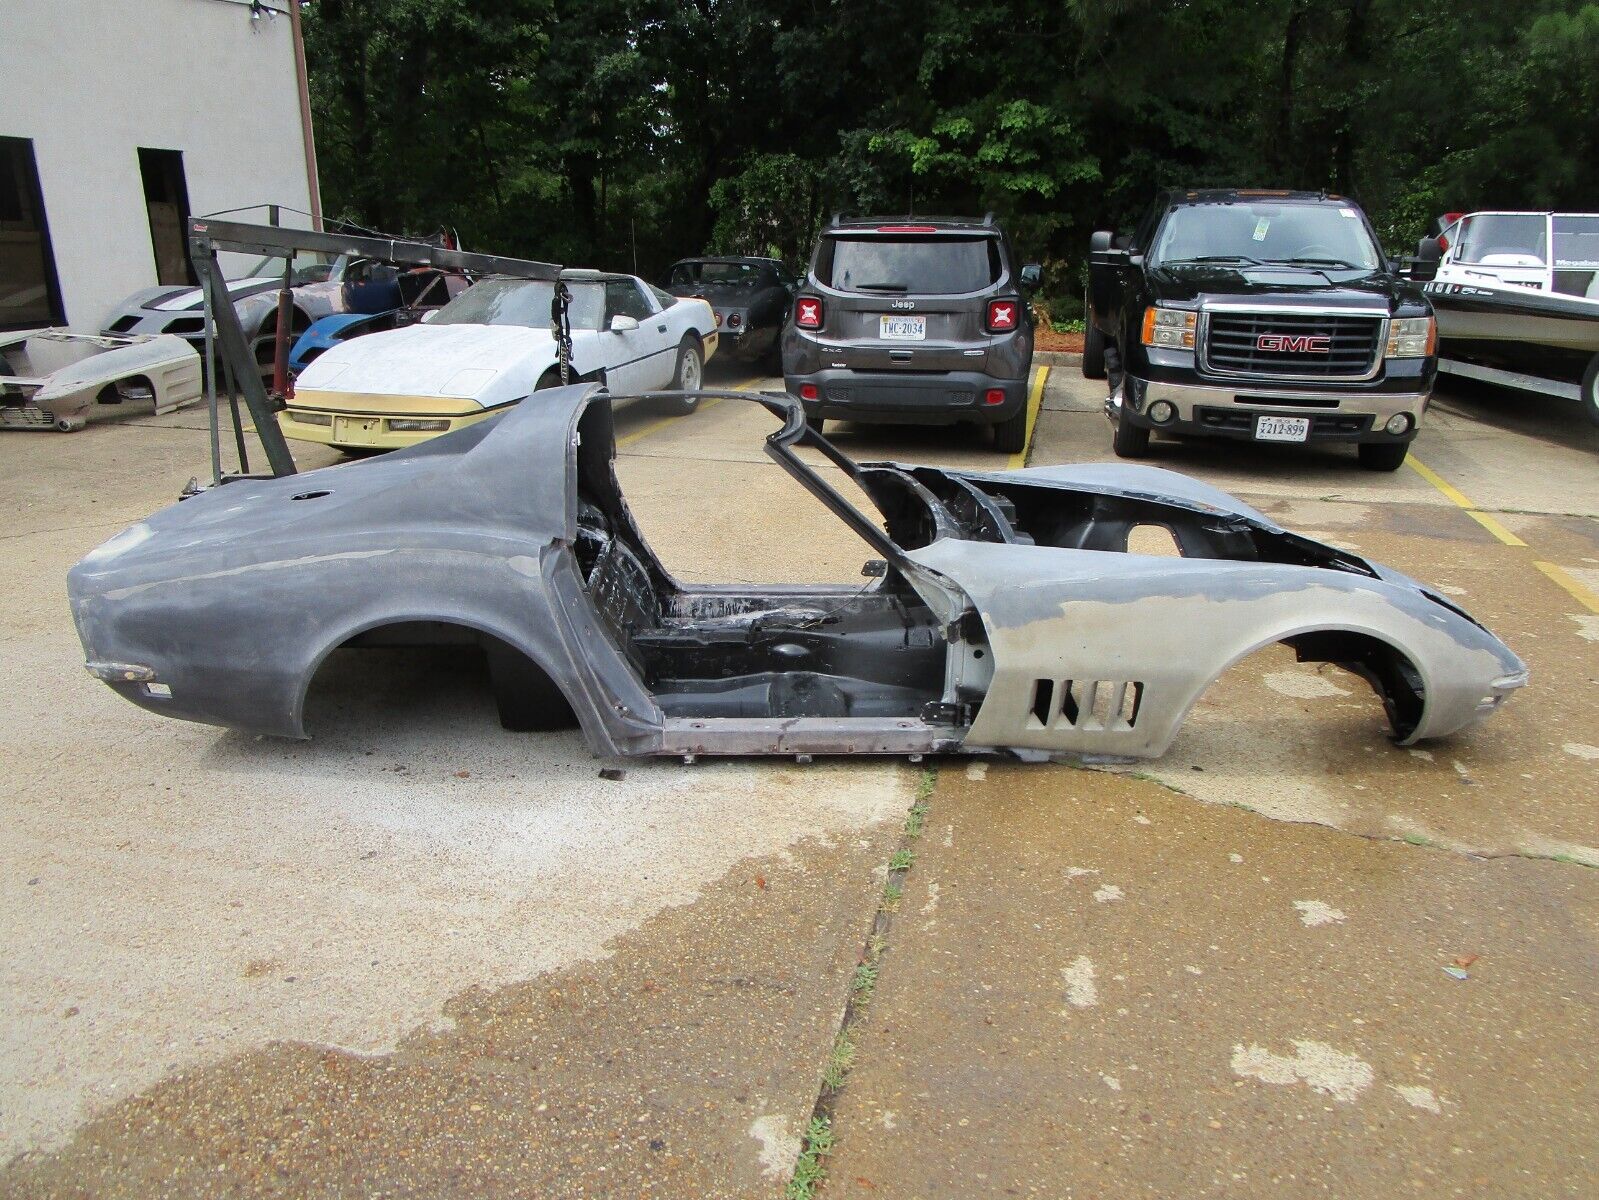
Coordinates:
(903, 329)
(1281, 429)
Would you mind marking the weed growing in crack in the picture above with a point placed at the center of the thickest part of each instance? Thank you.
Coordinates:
(839, 1060)
(915, 820)
(892, 892)
(865, 983)
(903, 860)
(816, 1145)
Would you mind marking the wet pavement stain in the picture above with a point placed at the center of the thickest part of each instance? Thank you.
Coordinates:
(676, 1067)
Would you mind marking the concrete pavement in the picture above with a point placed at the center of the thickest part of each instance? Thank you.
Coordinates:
(419, 955)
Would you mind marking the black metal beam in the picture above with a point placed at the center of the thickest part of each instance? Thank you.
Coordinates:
(235, 357)
(206, 233)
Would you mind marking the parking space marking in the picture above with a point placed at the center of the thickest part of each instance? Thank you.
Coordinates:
(1457, 497)
(1579, 593)
(1582, 595)
(638, 435)
(1035, 399)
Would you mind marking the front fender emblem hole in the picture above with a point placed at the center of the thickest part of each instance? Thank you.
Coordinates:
(311, 495)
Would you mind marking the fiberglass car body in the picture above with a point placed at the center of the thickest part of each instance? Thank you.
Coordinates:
(317, 291)
(1002, 612)
(492, 347)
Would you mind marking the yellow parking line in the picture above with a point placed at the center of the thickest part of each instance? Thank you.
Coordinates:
(638, 435)
(1581, 594)
(1035, 399)
(1459, 498)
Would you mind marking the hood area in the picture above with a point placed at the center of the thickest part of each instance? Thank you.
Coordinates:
(432, 360)
(1273, 285)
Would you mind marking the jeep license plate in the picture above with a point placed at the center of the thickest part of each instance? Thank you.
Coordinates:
(903, 329)
(1281, 429)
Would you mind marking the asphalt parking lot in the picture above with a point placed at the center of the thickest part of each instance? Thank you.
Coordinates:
(419, 955)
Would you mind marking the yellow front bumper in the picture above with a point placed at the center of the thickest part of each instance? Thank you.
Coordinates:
(363, 421)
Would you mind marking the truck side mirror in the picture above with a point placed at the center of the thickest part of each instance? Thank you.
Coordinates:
(1103, 251)
(1425, 265)
(1032, 275)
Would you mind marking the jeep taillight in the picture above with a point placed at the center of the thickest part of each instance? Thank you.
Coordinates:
(808, 312)
(1003, 315)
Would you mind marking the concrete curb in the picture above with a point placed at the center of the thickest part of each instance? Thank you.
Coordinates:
(1057, 358)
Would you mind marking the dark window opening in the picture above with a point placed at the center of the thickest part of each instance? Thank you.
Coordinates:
(29, 294)
(166, 199)
(918, 266)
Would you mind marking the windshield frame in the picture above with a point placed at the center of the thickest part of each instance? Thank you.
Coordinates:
(588, 296)
(1368, 260)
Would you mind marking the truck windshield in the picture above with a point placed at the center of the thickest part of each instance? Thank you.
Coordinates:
(942, 266)
(524, 302)
(1502, 239)
(1309, 235)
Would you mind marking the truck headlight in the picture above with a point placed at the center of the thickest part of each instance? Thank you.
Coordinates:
(1412, 337)
(1169, 327)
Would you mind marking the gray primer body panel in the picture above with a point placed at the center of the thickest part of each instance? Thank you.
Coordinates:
(229, 601)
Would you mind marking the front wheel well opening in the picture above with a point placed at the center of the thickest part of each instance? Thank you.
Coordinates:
(432, 674)
(1391, 674)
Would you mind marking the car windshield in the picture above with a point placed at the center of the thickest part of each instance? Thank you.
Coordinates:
(1576, 240)
(920, 266)
(524, 302)
(1502, 239)
(1309, 235)
(722, 274)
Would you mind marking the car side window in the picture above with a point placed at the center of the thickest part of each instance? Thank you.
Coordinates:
(623, 299)
(664, 299)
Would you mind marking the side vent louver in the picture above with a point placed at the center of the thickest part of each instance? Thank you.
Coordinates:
(1091, 705)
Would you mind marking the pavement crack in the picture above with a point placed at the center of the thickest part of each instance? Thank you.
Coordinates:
(810, 1169)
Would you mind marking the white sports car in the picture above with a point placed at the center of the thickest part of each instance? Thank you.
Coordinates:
(491, 347)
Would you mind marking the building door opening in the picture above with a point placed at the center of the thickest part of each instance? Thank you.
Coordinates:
(29, 294)
(166, 196)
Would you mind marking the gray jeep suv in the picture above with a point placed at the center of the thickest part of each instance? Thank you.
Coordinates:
(916, 320)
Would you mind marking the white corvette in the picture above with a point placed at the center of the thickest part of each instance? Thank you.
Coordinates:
(491, 347)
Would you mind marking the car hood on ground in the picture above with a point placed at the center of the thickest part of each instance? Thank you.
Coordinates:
(431, 360)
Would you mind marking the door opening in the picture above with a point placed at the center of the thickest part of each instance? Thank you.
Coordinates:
(166, 198)
(29, 293)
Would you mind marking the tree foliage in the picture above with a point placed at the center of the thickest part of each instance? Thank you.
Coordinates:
(617, 133)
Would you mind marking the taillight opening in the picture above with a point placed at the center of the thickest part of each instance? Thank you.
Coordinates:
(808, 312)
(1004, 316)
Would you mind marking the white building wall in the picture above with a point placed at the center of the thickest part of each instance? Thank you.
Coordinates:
(91, 81)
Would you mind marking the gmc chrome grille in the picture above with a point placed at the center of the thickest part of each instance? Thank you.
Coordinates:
(1279, 345)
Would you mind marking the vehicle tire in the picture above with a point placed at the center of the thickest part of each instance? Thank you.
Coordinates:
(1130, 441)
(1382, 456)
(525, 696)
(1093, 347)
(689, 376)
(1590, 391)
(1010, 436)
(552, 379)
(816, 423)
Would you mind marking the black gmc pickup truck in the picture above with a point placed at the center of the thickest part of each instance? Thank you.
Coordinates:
(1261, 316)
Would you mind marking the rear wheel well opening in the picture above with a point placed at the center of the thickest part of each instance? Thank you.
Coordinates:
(431, 679)
(1391, 674)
